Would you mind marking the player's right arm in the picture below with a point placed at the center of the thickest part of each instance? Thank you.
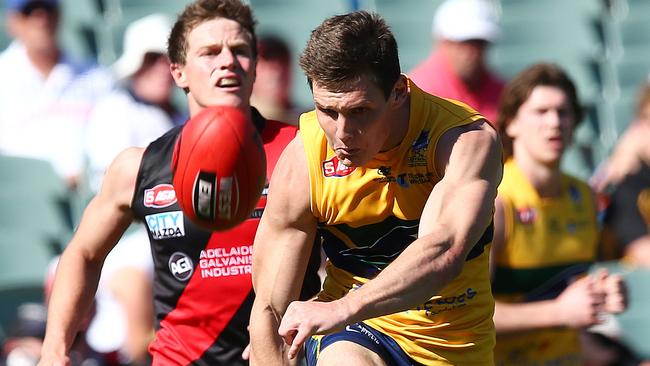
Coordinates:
(281, 253)
(104, 221)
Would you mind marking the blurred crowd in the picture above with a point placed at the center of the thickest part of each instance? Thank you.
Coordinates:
(77, 115)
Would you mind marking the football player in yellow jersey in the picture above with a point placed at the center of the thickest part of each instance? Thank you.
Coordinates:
(401, 186)
(546, 233)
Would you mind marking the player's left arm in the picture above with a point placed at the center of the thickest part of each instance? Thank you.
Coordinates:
(457, 212)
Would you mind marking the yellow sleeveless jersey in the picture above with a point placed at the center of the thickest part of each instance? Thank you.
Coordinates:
(550, 241)
(368, 215)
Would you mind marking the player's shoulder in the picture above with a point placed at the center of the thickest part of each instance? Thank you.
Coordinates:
(127, 161)
(121, 176)
(279, 132)
(274, 125)
(477, 132)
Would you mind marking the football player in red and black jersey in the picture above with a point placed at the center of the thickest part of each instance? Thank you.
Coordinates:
(202, 284)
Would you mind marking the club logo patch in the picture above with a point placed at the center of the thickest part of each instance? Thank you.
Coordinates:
(160, 196)
(334, 168)
(526, 215)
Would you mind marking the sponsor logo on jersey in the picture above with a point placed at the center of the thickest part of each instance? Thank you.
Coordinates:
(225, 262)
(334, 168)
(418, 154)
(181, 266)
(439, 305)
(459, 299)
(575, 195)
(402, 181)
(160, 196)
(573, 227)
(166, 225)
(405, 180)
(422, 142)
(526, 215)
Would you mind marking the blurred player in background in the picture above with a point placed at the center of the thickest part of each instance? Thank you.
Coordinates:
(546, 234)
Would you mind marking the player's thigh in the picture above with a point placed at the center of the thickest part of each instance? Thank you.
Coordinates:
(348, 354)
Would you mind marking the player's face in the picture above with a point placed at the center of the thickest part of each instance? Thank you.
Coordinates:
(219, 67)
(358, 123)
(543, 126)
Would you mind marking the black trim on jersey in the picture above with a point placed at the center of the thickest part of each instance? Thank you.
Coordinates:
(485, 239)
(155, 168)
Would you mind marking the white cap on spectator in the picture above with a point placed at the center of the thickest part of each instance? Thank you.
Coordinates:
(145, 35)
(463, 20)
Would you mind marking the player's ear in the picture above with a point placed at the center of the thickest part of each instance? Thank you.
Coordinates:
(399, 93)
(178, 73)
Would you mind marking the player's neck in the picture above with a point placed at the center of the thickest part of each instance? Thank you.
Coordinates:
(195, 108)
(400, 127)
(545, 178)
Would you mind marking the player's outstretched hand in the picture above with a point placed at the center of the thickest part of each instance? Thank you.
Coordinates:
(305, 318)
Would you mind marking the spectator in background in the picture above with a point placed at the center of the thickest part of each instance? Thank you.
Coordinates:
(46, 97)
(456, 68)
(545, 229)
(141, 110)
(272, 88)
(627, 219)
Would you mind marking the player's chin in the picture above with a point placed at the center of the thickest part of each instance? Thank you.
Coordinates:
(230, 99)
(350, 162)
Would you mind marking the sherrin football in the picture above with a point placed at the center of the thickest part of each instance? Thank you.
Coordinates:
(218, 168)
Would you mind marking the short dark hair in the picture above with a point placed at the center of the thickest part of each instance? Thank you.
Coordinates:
(204, 10)
(519, 89)
(345, 47)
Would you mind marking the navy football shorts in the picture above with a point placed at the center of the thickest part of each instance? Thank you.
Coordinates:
(365, 336)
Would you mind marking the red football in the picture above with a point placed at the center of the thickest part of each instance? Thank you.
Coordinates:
(219, 168)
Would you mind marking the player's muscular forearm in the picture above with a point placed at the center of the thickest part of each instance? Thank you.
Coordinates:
(445, 236)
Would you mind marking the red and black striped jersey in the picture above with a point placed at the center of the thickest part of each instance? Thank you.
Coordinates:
(203, 290)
